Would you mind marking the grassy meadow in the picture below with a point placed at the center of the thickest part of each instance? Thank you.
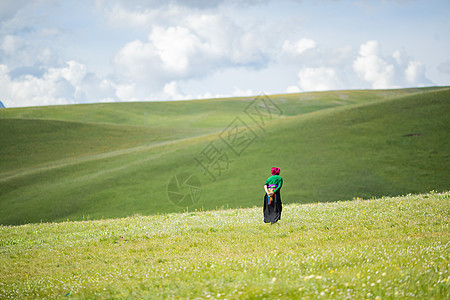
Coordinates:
(115, 160)
(386, 248)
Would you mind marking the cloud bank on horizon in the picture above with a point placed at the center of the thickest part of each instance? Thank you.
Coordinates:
(67, 52)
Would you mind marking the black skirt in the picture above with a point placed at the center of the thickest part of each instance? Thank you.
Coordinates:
(272, 211)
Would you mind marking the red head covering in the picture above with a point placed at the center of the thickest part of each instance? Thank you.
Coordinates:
(275, 171)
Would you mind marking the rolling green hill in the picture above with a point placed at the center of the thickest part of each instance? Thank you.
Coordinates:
(117, 159)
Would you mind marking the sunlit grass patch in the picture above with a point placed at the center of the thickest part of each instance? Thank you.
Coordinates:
(380, 248)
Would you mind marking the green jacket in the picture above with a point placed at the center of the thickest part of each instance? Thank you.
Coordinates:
(275, 179)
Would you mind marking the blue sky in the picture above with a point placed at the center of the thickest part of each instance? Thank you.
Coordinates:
(66, 52)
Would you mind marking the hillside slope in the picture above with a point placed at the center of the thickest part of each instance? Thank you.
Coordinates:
(330, 146)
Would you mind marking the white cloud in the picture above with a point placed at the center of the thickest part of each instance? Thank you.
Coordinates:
(384, 73)
(11, 44)
(200, 45)
(293, 89)
(18, 52)
(399, 57)
(118, 16)
(196, 45)
(414, 72)
(298, 47)
(172, 92)
(176, 47)
(69, 84)
(137, 59)
(30, 90)
(127, 92)
(372, 68)
(318, 79)
(73, 73)
(238, 92)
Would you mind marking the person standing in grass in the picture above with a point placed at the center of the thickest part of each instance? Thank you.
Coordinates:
(272, 199)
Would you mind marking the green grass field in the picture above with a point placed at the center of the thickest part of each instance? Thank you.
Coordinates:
(116, 160)
(387, 248)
